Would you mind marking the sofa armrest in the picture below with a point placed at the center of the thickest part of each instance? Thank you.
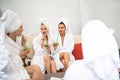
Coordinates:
(77, 52)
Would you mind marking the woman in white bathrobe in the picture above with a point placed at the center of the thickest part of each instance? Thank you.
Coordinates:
(101, 56)
(42, 47)
(63, 52)
(12, 66)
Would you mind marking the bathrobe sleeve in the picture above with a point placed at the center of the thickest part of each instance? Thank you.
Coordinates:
(3, 63)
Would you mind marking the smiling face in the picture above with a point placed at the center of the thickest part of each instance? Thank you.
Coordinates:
(43, 29)
(61, 28)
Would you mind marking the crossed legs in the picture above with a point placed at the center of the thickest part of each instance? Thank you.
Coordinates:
(49, 64)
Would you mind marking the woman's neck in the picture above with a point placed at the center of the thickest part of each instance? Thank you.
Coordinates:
(62, 35)
(12, 36)
(62, 38)
(44, 35)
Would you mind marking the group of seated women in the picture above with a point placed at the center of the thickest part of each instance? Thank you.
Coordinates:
(54, 52)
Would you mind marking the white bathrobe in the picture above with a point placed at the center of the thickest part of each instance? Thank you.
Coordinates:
(11, 65)
(101, 56)
(39, 51)
(15, 69)
(68, 44)
(3, 62)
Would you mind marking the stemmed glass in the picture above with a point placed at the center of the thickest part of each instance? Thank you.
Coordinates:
(55, 43)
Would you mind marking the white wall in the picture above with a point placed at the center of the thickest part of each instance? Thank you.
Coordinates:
(105, 10)
(31, 11)
(0, 13)
(77, 11)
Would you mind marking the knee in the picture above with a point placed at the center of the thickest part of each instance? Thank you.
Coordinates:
(61, 54)
(63, 61)
(46, 58)
(53, 63)
(36, 68)
(66, 54)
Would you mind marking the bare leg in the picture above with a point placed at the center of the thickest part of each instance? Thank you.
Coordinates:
(67, 59)
(64, 64)
(53, 67)
(35, 72)
(47, 62)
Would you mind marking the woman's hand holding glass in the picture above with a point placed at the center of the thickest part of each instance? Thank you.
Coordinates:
(26, 49)
(48, 48)
(55, 44)
(42, 41)
(23, 40)
(24, 53)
